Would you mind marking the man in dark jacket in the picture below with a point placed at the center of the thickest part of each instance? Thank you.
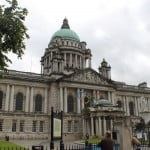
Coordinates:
(107, 143)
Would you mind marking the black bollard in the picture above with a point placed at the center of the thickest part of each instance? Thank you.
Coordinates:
(61, 145)
(52, 145)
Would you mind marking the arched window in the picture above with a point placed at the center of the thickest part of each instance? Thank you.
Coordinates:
(119, 103)
(70, 103)
(1, 99)
(131, 108)
(38, 103)
(19, 102)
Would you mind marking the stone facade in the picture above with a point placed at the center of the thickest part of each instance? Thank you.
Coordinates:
(68, 83)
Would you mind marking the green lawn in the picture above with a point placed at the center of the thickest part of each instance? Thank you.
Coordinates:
(5, 145)
(144, 142)
(94, 140)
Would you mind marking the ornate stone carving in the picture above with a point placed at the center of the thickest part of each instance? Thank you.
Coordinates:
(87, 76)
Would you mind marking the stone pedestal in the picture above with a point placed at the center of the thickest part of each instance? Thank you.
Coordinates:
(124, 133)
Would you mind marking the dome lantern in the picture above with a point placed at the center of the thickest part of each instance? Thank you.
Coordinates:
(65, 24)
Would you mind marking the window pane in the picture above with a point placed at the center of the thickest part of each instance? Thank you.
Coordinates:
(19, 101)
(131, 108)
(14, 125)
(21, 125)
(69, 126)
(1, 99)
(41, 126)
(70, 104)
(1, 125)
(34, 126)
(38, 103)
(76, 126)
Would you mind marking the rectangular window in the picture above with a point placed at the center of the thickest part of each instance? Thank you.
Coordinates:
(76, 126)
(41, 129)
(14, 125)
(21, 125)
(1, 125)
(69, 126)
(34, 126)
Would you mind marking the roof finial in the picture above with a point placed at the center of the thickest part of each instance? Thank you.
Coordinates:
(65, 24)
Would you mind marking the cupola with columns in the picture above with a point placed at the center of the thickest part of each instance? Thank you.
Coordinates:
(105, 69)
(72, 53)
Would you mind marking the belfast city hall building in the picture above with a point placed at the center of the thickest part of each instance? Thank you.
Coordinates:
(90, 100)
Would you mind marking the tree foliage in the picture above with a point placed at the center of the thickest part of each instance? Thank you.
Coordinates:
(141, 125)
(13, 32)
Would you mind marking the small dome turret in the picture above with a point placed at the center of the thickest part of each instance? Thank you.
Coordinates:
(105, 69)
(103, 102)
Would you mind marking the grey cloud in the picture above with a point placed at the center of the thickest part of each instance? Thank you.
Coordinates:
(121, 46)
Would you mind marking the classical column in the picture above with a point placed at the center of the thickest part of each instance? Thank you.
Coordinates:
(109, 95)
(86, 126)
(51, 55)
(49, 60)
(12, 98)
(80, 62)
(7, 97)
(27, 100)
(127, 105)
(61, 98)
(76, 61)
(82, 98)
(139, 106)
(104, 124)
(100, 126)
(83, 127)
(78, 101)
(89, 63)
(136, 108)
(65, 59)
(45, 101)
(70, 60)
(111, 124)
(84, 63)
(148, 104)
(92, 126)
(124, 104)
(31, 100)
(97, 126)
(65, 100)
(98, 96)
(112, 97)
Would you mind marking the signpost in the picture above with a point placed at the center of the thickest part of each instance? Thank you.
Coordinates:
(56, 128)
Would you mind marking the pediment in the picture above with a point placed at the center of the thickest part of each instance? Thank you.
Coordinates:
(86, 76)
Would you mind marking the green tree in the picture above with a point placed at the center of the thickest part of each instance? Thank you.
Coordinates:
(13, 32)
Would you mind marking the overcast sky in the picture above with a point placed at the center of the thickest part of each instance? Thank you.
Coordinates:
(117, 30)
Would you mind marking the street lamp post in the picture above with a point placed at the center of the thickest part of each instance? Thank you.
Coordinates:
(148, 127)
(52, 129)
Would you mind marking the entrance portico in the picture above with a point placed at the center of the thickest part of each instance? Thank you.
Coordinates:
(101, 120)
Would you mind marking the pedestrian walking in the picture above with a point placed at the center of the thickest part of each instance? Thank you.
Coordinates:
(107, 143)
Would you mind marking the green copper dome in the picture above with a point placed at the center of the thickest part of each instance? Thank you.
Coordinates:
(66, 32)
